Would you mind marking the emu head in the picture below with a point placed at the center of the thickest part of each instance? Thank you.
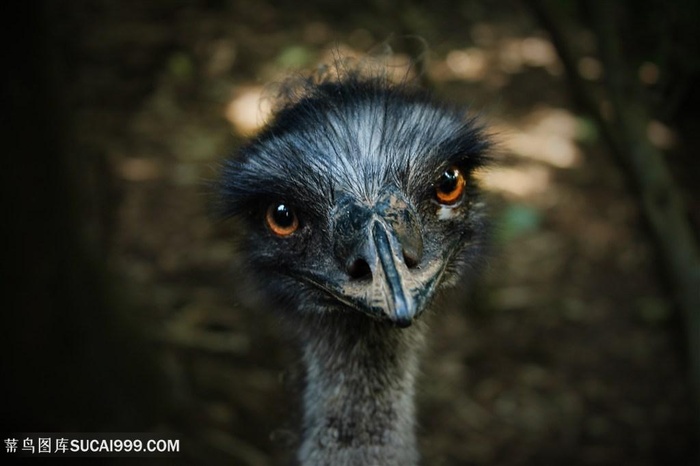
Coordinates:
(359, 196)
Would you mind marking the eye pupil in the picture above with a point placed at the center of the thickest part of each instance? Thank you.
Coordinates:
(281, 219)
(283, 216)
(448, 181)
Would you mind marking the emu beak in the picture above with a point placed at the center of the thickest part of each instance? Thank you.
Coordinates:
(380, 251)
(400, 305)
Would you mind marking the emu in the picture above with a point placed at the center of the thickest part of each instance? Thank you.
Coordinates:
(358, 203)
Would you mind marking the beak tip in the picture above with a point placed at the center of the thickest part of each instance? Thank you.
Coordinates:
(403, 317)
(403, 322)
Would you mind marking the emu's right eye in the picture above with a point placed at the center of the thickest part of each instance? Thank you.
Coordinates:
(281, 219)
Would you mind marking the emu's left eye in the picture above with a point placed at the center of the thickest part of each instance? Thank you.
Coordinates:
(450, 186)
(281, 219)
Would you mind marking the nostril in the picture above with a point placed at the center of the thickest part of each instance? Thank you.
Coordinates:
(410, 260)
(359, 269)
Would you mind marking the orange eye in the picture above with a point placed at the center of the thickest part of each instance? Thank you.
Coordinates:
(450, 186)
(281, 219)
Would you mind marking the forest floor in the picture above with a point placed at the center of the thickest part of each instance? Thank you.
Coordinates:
(568, 351)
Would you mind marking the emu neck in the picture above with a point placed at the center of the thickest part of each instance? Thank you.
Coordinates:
(359, 395)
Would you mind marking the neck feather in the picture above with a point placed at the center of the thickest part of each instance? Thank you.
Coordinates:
(358, 400)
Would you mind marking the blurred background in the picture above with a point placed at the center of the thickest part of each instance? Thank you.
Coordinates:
(578, 346)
